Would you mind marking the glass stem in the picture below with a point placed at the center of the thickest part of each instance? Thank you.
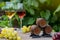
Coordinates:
(10, 24)
(21, 22)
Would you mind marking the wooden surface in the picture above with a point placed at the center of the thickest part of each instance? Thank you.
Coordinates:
(27, 36)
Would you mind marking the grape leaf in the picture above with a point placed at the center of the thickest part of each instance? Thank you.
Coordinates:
(31, 21)
(45, 15)
(42, 1)
(57, 10)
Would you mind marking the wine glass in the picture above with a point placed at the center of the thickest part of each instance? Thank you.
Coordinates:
(9, 11)
(10, 14)
(21, 13)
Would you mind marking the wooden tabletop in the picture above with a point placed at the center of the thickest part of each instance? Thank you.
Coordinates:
(26, 36)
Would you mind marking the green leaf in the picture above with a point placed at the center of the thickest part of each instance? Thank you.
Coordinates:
(26, 7)
(32, 12)
(56, 28)
(5, 17)
(45, 15)
(25, 21)
(59, 27)
(42, 1)
(16, 16)
(15, 1)
(57, 10)
(2, 4)
(3, 23)
(29, 2)
(28, 21)
(53, 19)
(49, 2)
(31, 21)
(35, 3)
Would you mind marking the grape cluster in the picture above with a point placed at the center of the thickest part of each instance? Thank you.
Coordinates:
(9, 33)
(56, 36)
(25, 29)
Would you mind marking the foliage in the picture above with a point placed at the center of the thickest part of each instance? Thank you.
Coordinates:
(4, 21)
(42, 8)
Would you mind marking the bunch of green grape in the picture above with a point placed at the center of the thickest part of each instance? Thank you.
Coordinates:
(10, 34)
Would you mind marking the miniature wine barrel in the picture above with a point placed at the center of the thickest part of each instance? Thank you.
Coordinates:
(35, 30)
(41, 22)
(48, 29)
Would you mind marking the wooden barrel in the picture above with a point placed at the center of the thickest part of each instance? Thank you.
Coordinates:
(48, 29)
(41, 22)
(35, 30)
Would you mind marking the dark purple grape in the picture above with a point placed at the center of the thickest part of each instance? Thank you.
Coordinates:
(56, 36)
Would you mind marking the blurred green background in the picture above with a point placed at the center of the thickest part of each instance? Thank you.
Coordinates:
(47, 9)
